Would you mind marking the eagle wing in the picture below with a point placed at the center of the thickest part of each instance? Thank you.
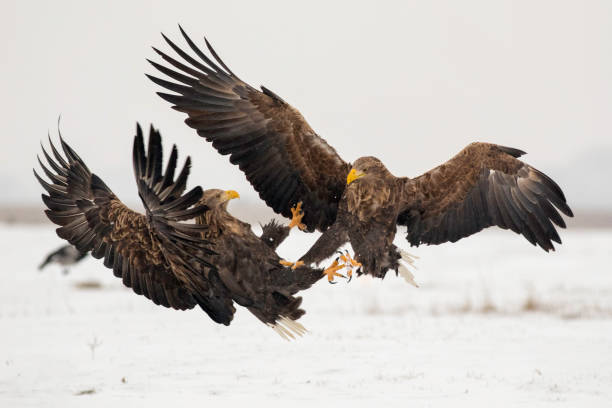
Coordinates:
(155, 254)
(282, 157)
(482, 186)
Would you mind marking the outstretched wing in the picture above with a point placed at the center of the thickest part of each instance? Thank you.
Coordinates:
(282, 157)
(482, 186)
(145, 251)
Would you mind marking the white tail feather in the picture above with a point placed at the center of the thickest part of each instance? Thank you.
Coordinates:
(296, 327)
(409, 258)
(407, 275)
(287, 328)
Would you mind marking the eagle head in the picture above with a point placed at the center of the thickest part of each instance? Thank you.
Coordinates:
(367, 166)
(217, 198)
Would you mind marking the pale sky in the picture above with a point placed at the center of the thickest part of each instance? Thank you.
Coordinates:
(410, 82)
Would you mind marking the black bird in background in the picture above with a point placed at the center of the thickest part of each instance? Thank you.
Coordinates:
(66, 255)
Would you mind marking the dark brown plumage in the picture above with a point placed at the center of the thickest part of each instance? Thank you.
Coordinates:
(367, 217)
(273, 233)
(174, 263)
(482, 186)
(249, 266)
(155, 254)
(286, 162)
(280, 154)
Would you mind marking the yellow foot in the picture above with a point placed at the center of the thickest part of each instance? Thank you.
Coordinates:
(297, 213)
(293, 265)
(350, 263)
(331, 271)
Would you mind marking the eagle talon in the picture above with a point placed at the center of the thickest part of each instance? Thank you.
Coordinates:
(331, 271)
(349, 263)
(292, 265)
(297, 214)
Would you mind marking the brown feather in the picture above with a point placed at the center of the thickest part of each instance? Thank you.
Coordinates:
(271, 142)
(166, 260)
(249, 266)
(483, 185)
(286, 162)
(156, 255)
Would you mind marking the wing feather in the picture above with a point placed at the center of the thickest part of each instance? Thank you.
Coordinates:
(156, 255)
(280, 154)
(482, 186)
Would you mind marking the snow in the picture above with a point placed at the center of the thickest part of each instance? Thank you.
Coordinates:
(494, 322)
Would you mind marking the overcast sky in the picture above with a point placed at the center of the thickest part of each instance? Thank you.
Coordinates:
(411, 82)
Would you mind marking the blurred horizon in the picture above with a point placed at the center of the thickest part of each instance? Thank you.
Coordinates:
(256, 213)
(411, 83)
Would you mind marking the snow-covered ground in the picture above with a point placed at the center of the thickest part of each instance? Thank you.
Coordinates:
(495, 322)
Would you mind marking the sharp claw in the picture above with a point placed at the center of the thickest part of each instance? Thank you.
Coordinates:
(331, 271)
(349, 263)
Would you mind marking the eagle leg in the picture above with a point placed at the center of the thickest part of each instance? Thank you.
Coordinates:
(331, 271)
(349, 263)
(298, 214)
(292, 265)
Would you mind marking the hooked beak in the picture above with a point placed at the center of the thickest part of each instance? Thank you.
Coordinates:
(231, 194)
(353, 175)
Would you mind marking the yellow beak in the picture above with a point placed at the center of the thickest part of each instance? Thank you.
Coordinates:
(231, 194)
(353, 175)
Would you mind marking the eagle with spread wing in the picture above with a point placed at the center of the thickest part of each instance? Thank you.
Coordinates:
(361, 203)
(212, 262)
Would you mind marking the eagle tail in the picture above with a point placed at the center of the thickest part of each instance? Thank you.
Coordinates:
(403, 270)
(288, 328)
(408, 276)
(281, 314)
